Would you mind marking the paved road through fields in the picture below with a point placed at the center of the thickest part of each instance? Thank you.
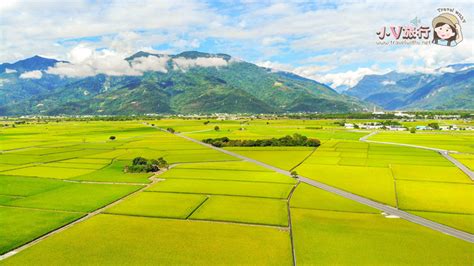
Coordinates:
(382, 207)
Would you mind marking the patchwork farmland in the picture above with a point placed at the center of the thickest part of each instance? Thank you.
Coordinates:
(66, 199)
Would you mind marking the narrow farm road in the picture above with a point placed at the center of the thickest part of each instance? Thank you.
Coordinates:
(444, 153)
(382, 207)
(154, 180)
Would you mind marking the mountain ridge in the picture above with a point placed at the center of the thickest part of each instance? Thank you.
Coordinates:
(414, 91)
(190, 82)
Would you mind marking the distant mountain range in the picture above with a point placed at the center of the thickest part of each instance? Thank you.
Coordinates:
(189, 82)
(195, 82)
(450, 87)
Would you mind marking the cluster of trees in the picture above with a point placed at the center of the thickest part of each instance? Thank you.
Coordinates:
(391, 123)
(143, 165)
(295, 140)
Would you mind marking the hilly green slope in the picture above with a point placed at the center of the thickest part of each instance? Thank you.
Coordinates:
(195, 86)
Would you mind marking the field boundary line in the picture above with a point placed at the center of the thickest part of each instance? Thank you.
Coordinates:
(225, 180)
(231, 170)
(83, 218)
(304, 159)
(199, 220)
(197, 207)
(282, 227)
(212, 194)
(41, 209)
(440, 212)
(394, 184)
(197, 131)
(444, 153)
(325, 210)
(104, 183)
(290, 225)
(382, 207)
(434, 181)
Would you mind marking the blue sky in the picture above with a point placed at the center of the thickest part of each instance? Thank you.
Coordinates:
(331, 41)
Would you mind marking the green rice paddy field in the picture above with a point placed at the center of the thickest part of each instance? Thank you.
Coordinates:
(213, 208)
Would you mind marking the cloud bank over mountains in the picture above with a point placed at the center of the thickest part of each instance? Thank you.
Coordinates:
(85, 62)
(35, 74)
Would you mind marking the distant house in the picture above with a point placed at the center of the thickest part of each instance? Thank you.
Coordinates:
(424, 128)
(349, 125)
(371, 125)
(401, 114)
(396, 128)
(450, 127)
(453, 117)
(375, 112)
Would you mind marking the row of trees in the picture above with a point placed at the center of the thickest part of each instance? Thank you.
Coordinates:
(143, 165)
(295, 140)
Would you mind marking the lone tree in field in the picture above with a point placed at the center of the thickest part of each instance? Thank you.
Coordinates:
(294, 174)
(413, 130)
(112, 137)
(170, 130)
(216, 128)
(434, 125)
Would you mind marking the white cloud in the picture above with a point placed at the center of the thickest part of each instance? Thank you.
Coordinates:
(35, 74)
(319, 73)
(275, 66)
(254, 30)
(186, 63)
(312, 70)
(348, 78)
(9, 71)
(85, 61)
(71, 70)
(466, 68)
(267, 41)
(388, 82)
(153, 22)
(151, 63)
(446, 70)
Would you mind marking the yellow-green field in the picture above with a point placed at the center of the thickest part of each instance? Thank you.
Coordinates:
(216, 209)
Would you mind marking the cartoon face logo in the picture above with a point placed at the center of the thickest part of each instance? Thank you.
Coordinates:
(447, 31)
